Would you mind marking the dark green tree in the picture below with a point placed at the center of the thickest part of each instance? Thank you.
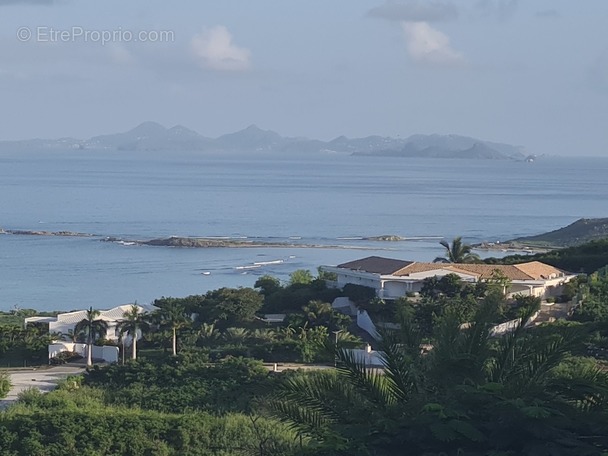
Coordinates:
(230, 306)
(172, 316)
(300, 277)
(458, 252)
(268, 285)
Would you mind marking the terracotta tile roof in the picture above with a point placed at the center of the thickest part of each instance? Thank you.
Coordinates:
(376, 265)
(416, 268)
(525, 271)
(533, 270)
(539, 271)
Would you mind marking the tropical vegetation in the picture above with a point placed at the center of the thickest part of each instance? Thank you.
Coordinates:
(5, 384)
(134, 322)
(450, 385)
(93, 328)
(585, 259)
(457, 252)
(471, 394)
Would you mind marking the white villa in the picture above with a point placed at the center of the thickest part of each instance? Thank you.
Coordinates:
(65, 323)
(393, 278)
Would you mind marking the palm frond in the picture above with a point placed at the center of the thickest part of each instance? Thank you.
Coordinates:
(378, 388)
(300, 418)
(587, 389)
(323, 393)
(401, 369)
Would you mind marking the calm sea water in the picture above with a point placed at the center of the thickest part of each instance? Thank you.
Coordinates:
(329, 200)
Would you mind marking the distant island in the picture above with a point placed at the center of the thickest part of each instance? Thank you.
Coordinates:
(203, 242)
(151, 136)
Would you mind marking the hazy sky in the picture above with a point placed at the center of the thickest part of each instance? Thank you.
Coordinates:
(532, 73)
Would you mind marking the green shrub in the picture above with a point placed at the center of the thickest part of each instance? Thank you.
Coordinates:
(5, 384)
(65, 357)
(117, 431)
(359, 294)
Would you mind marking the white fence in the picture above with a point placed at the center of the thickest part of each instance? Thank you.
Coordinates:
(106, 353)
(510, 325)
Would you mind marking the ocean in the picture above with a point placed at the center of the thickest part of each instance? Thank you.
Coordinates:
(327, 200)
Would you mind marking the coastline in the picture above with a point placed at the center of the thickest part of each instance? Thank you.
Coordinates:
(512, 247)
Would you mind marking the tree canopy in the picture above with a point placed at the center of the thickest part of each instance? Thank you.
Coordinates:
(458, 252)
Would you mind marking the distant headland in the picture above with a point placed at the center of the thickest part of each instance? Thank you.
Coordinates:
(580, 232)
(151, 136)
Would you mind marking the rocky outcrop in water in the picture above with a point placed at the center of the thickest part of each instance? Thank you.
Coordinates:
(46, 233)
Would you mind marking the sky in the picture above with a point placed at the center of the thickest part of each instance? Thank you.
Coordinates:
(531, 73)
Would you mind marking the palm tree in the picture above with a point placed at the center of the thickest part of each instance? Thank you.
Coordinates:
(135, 321)
(173, 316)
(457, 252)
(263, 335)
(93, 328)
(237, 336)
(471, 394)
(208, 333)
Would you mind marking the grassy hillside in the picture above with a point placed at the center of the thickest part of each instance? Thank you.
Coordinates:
(585, 258)
(577, 233)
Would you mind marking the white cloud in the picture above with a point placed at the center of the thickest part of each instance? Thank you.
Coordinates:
(120, 55)
(215, 50)
(430, 46)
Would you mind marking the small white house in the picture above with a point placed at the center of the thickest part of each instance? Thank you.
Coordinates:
(393, 278)
(64, 324)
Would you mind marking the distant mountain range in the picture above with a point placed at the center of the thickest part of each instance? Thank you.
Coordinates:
(151, 136)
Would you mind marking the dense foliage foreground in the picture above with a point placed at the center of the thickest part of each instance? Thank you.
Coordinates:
(449, 388)
(184, 407)
(525, 393)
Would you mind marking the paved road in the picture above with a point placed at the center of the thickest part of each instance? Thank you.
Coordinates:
(44, 379)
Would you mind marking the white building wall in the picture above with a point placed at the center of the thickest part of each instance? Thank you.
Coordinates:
(106, 353)
(344, 305)
(393, 289)
(365, 322)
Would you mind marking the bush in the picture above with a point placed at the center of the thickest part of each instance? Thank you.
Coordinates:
(359, 294)
(187, 383)
(117, 431)
(65, 357)
(5, 384)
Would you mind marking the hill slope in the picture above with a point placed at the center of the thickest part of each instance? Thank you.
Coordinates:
(577, 233)
(585, 258)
